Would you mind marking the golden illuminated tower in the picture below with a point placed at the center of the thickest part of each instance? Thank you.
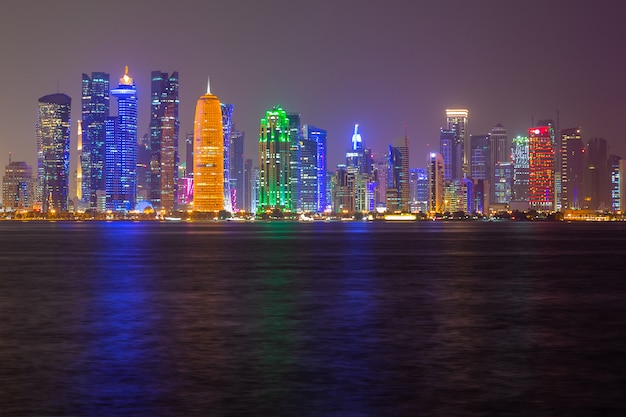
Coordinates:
(79, 168)
(208, 158)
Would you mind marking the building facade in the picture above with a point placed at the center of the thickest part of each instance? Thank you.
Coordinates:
(275, 179)
(500, 153)
(53, 152)
(95, 111)
(208, 158)
(398, 188)
(227, 124)
(572, 168)
(457, 120)
(597, 176)
(164, 130)
(236, 155)
(436, 183)
(541, 191)
(520, 169)
(121, 158)
(18, 187)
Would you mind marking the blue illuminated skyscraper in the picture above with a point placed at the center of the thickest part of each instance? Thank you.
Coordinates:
(398, 190)
(237, 185)
(227, 124)
(53, 152)
(614, 164)
(480, 157)
(419, 189)
(451, 151)
(313, 169)
(164, 126)
(95, 110)
(121, 169)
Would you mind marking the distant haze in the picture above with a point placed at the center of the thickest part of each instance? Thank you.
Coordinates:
(382, 64)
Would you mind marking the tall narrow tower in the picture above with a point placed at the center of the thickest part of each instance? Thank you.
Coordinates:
(95, 111)
(457, 120)
(436, 183)
(164, 126)
(79, 169)
(208, 158)
(121, 164)
(572, 168)
(398, 176)
(275, 168)
(541, 167)
(53, 150)
(227, 121)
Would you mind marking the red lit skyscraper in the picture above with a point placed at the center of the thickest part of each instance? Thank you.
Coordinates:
(541, 167)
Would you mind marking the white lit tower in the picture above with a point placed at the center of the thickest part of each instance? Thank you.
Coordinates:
(457, 120)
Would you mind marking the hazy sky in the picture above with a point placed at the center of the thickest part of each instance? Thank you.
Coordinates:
(382, 64)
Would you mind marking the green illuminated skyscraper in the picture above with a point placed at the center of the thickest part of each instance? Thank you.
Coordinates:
(275, 170)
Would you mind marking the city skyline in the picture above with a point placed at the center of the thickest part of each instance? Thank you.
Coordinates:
(401, 74)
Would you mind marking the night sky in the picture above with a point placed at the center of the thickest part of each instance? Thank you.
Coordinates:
(382, 64)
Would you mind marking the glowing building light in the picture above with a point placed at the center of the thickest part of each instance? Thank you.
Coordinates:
(208, 158)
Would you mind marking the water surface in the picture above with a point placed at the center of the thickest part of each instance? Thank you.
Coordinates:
(315, 319)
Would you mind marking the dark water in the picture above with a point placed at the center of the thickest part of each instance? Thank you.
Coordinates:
(318, 319)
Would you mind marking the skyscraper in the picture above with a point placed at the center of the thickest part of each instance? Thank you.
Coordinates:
(245, 192)
(95, 111)
(53, 152)
(164, 129)
(480, 157)
(597, 179)
(308, 174)
(520, 169)
(457, 120)
(572, 168)
(144, 157)
(359, 166)
(121, 169)
(622, 185)
(237, 186)
(295, 137)
(451, 152)
(541, 168)
(419, 189)
(18, 186)
(189, 155)
(398, 190)
(227, 122)
(502, 182)
(314, 141)
(436, 183)
(275, 167)
(208, 191)
(500, 153)
(614, 163)
(79, 168)
(499, 145)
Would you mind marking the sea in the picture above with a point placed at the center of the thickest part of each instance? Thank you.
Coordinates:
(280, 318)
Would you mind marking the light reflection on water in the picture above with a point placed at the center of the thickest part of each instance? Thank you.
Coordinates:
(345, 319)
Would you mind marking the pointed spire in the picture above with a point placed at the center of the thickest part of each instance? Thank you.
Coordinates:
(208, 85)
(356, 139)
